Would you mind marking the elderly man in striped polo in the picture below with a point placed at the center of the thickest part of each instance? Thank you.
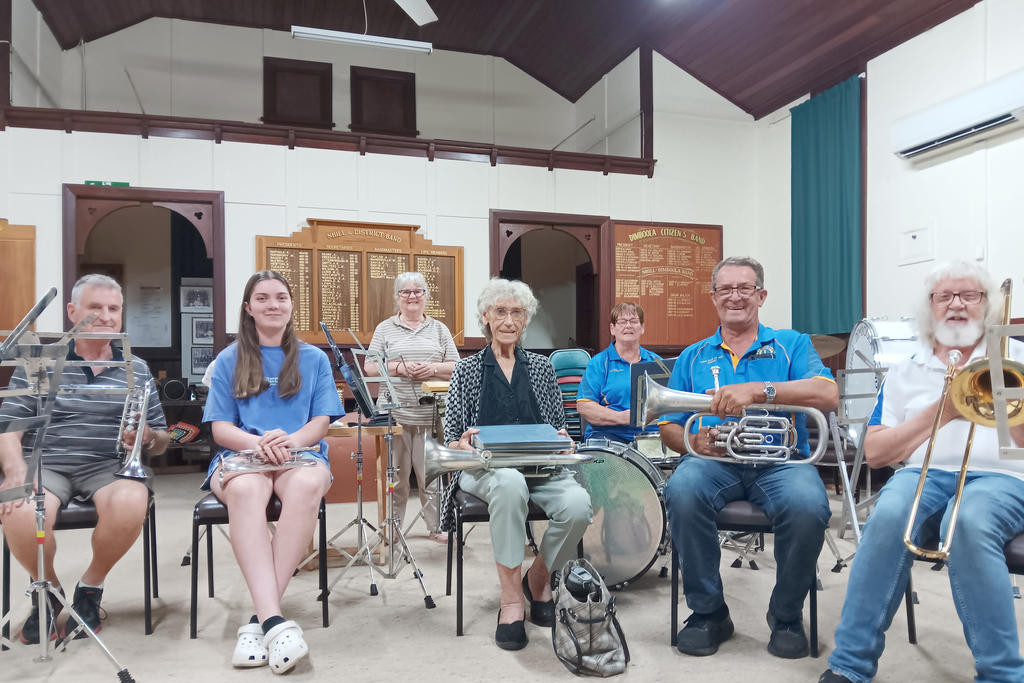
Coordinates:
(79, 458)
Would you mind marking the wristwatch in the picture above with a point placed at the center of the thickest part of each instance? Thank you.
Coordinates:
(769, 392)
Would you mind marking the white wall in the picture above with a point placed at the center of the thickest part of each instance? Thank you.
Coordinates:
(184, 68)
(35, 59)
(966, 204)
(614, 103)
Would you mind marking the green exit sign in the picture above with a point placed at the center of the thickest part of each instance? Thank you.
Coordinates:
(107, 183)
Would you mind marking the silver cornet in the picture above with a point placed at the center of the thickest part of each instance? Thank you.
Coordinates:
(757, 436)
(253, 460)
(136, 405)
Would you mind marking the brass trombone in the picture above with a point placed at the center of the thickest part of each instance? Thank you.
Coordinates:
(970, 391)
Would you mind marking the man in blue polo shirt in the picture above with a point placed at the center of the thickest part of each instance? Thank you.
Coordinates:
(754, 364)
(603, 397)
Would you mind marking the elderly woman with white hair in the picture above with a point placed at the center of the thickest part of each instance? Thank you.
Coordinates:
(419, 348)
(503, 384)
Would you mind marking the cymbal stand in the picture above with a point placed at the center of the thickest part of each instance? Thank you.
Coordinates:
(44, 364)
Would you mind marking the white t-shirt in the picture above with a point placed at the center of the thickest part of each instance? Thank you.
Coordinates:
(915, 383)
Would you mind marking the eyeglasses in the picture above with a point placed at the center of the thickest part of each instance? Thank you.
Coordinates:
(406, 293)
(626, 322)
(967, 298)
(745, 291)
(517, 314)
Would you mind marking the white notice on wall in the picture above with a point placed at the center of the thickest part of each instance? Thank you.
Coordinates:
(149, 317)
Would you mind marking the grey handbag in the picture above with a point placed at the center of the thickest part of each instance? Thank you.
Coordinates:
(586, 635)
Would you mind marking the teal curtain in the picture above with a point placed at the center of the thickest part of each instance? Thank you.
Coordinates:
(826, 210)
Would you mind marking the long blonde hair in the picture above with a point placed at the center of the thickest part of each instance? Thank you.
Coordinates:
(249, 379)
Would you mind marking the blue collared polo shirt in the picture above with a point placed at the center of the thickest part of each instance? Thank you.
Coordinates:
(775, 356)
(606, 381)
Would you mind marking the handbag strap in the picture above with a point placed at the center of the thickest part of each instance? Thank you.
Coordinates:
(578, 666)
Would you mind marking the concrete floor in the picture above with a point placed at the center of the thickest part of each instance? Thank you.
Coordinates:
(393, 637)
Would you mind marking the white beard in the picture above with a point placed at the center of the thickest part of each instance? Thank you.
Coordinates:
(959, 335)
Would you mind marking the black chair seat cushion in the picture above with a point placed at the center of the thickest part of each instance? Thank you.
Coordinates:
(76, 515)
(472, 509)
(210, 510)
(742, 515)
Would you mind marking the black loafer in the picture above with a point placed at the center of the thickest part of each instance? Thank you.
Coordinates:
(542, 612)
(510, 636)
(703, 633)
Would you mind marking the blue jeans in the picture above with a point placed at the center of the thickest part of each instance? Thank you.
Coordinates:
(792, 496)
(991, 513)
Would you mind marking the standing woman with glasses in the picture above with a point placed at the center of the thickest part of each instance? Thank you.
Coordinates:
(270, 392)
(500, 385)
(419, 348)
(603, 397)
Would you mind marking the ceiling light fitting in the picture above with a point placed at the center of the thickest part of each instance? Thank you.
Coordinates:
(360, 39)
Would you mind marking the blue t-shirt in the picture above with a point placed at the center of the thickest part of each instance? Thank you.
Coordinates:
(606, 381)
(267, 410)
(775, 356)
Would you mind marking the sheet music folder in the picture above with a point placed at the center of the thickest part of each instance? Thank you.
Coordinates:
(537, 437)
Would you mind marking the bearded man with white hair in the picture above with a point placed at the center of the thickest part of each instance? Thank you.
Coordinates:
(960, 300)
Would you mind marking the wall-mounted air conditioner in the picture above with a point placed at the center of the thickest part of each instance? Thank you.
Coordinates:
(971, 117)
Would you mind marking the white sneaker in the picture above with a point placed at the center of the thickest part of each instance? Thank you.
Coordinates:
(285, 646)
(249, 649)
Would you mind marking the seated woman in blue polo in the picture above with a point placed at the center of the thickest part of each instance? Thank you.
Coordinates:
(603, 397)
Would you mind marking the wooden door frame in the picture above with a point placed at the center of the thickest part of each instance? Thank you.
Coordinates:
(86, 205)
(594, 233)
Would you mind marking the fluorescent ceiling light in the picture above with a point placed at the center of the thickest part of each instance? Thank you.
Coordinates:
(360, 39)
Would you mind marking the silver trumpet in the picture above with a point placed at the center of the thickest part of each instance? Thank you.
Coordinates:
(757, 436)
(136, 405)
(438, 459)
(253, 460)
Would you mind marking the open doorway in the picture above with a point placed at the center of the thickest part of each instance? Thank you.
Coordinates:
(561, 274)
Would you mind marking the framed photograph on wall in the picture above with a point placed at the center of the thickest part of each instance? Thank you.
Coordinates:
(202, 330)
(202, 356)
(196, 299)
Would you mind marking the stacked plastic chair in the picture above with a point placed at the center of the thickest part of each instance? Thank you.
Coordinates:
(569, 365)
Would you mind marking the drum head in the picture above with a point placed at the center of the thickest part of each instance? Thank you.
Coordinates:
(628, 527)
(873, 344)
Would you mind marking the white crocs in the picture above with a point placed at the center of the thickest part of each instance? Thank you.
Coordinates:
(249, 649)
(285, 646)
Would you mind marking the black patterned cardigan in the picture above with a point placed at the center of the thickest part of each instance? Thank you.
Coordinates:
(462, 408)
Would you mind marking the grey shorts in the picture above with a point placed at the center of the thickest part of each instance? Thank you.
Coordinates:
(79, 476)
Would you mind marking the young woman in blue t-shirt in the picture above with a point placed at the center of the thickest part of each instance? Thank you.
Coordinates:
(270, 392)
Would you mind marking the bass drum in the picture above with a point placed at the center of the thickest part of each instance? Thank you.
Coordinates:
(874, 344)
(628, 531)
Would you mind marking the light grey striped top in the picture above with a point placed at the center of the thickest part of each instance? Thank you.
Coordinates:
(83, 423)
(431, 342)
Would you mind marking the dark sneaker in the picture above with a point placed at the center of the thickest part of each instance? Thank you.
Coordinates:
(87, 605)
(831, 676)
(510, 636)
(703, 633)
(788, 638)
(30, 630)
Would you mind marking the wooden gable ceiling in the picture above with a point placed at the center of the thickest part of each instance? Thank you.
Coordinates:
(758, 54)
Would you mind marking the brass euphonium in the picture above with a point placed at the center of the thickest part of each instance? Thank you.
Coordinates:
(133, 418)
(755, 437)
(438, 459)
(970, 390)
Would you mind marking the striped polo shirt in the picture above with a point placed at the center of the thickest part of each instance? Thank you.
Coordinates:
(83, 423)
(431, 342)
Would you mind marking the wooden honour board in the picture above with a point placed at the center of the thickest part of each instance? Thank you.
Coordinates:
(343, 273)
(666, 268)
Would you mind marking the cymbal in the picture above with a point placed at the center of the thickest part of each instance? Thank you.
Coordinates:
(827, 346)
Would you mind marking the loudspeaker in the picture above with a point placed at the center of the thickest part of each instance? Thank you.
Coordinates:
(174, 389)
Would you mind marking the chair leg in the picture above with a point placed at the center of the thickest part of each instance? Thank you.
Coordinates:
(209, 559)
(152, 548)
(195, 579)
(814, 616)
(448, 575)
(911, 620)
(147, 570)
(458, 575)
(324, 590)
(674, 619)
